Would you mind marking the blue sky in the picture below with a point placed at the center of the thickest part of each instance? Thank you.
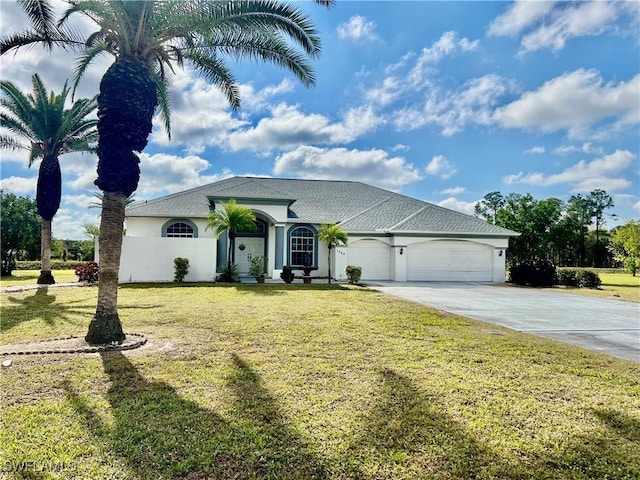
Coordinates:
(441, 101)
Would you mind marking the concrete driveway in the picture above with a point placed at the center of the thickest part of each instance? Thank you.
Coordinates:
(606, 326)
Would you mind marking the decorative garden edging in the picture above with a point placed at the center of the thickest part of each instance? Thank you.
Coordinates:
(140, 340)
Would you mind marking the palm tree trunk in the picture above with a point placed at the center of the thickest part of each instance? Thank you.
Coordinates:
(126, 104)
(46, 277)
(106, 326)
(329, 262)
(48, 195)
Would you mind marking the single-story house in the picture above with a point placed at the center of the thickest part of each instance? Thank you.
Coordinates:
(391, 236)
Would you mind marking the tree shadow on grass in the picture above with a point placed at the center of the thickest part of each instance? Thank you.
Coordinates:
(610, 452)
(160, 434)
(620, 423)
(40, 305)
(406, 435)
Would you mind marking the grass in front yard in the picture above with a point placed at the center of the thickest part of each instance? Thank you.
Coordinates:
(615, 286)
(301, 382)
(30, 277)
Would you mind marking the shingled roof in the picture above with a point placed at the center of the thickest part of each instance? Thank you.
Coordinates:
(358, 207)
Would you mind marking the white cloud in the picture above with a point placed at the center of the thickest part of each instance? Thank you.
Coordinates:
(572, 101)
(448, 44)
(357, 28)
(80, 201)
(519, 16)
(472, 103)
(636, 206)
(552, 24)
(586, 147)
(414, 77)
(170, 173)
(68, 222)
(537, 150)
(453, 203)
(605, 173)
(200, 115)
(388, 92)
(54, 68)
(19, 185)
(441, 167)
(453, 191)
(14, 156)
(256, 100)
(401, 148)
(374, 166)
(288, 128)
(583, 19)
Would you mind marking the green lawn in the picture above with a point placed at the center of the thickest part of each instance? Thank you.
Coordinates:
(30, 277)
(299, 382)
(615, 285)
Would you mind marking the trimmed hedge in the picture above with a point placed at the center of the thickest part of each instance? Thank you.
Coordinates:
(55, 265)
(578, 277)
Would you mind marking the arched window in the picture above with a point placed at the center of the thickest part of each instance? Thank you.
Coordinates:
(302, 242)
(261, 228)
(179, 229)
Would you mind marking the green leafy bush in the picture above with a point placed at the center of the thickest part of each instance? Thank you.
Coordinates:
(228, 273)
(567, 276)
(287, 274)
(578, 277)
(257, 268)
(537, 273)
(180, 269)
(89, 272)
(354, 273)
(588, 279)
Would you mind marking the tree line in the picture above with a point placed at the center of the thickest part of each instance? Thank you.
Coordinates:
(21, 235)
(570, 233)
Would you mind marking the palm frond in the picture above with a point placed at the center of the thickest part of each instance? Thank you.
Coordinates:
(40, 14)
(11, 143)
(84, 60)
(215, 71)
(164, 101)
(258, 15)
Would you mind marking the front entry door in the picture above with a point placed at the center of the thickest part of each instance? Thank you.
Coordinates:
(246, 249)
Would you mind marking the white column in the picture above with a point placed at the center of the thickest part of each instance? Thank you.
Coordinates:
(399, 263)
(339, 262)
(499, 265)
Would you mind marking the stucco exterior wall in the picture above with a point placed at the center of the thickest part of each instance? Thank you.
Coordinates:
(150, 259)
(152, 226)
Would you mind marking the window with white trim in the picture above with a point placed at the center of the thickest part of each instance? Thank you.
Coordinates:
(301, 247)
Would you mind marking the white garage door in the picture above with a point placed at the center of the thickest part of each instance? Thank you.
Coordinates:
(443, 260)
(373, 256)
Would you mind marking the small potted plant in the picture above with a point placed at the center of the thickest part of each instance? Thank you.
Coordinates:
(257, 268)
(287, 274)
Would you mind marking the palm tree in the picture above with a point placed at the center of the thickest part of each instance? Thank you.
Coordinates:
(332, 235)
(147, 40)
(49, 130)
(234, 218)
